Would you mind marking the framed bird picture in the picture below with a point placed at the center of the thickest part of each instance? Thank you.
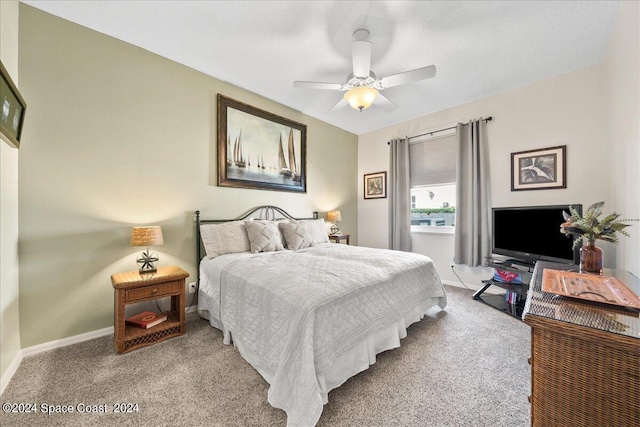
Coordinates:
(375, 185)
(541, 169)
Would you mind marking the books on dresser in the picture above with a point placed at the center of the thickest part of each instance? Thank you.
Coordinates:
(147, 319)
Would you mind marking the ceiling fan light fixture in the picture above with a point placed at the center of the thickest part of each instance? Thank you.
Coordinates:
(361, 97)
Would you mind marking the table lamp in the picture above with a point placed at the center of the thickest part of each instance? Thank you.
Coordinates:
(334, 216)
(147, 236)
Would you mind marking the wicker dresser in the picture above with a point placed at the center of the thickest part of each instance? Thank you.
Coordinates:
(585, 358)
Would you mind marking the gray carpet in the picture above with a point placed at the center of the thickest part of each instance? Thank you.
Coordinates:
(464, 366)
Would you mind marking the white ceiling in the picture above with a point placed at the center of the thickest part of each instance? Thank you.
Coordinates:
(480, 48)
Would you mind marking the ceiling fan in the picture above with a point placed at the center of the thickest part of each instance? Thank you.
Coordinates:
(362, 86)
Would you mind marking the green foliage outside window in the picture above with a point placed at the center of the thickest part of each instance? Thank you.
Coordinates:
(434, 210)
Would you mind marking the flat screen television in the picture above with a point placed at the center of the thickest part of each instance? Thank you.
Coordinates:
(532, 233)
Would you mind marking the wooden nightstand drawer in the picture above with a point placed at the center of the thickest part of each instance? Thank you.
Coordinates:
(152, 291)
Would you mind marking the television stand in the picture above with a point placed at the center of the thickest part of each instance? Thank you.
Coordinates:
(514, 264)
(518, 291)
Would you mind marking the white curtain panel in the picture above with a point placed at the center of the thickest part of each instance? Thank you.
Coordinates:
(399, 193)
(473, 198)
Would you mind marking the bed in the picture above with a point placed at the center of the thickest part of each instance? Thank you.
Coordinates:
(305, 313)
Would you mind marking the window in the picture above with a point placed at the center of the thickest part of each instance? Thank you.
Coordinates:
(433, 183)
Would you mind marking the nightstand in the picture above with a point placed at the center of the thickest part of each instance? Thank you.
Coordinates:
(337, 237)
(133, 287)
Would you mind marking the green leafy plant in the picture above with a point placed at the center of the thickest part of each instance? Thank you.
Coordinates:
(590, 227)
(434, 210)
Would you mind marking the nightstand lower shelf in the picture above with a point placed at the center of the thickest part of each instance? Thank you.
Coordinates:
(135, 337)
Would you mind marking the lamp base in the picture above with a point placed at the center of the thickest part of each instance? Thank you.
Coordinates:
(335, 229)
(147, 262)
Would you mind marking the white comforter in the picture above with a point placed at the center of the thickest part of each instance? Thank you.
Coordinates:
(300, 310)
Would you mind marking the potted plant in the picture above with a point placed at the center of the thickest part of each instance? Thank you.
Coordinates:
(588, 228)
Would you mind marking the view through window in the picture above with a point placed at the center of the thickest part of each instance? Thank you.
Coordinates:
(434, 205)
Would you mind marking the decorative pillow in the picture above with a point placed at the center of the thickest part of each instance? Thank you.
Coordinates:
(226, 238)
(264, 236)
(318, 231)
(282, 221)
(296, 234)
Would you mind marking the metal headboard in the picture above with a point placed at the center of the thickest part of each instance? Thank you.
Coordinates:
(261, 212)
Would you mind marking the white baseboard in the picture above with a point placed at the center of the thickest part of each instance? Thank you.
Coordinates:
(492, 290)
(30, 351)
(452, 283)
(13, 367)
(457, 284)
(33, 350)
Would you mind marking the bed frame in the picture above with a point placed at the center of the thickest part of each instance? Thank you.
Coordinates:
(268, 212)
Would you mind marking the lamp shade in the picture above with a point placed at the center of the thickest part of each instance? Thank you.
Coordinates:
(334, 216)
(361, 97)
(147, 236)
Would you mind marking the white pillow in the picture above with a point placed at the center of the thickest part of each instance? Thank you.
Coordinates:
(296, 234)
(264, 236)
(226, 238)
(318, 231)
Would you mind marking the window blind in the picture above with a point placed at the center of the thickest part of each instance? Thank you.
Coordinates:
(433, 161)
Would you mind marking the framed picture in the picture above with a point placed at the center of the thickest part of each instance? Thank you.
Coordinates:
(13, 109)
(375, 185)
(541, 169)
(260, 150)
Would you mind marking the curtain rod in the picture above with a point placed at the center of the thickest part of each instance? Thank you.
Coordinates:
(488, 119)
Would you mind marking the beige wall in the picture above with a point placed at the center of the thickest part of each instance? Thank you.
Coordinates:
(594, 111)
(564, 110)
(118, 137)
(621, 113)
(9, 271)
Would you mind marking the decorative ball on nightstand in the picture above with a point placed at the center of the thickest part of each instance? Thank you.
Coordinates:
(335, 229)
(147, 262)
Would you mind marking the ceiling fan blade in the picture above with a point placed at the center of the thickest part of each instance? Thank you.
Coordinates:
(408, 77)
(384, 103)
(361, 53)
(343, 103)
(317, 85)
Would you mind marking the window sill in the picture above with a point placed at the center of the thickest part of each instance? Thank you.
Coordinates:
(417, 229)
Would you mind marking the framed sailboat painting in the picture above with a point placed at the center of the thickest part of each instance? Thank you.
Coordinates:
(260, 150)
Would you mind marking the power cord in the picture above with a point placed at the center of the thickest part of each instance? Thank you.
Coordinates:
(193, 300)
(195, 296)
(453, 269)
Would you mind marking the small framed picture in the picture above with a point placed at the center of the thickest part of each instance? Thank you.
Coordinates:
(375, 185)
(12, 111)
(541, 169)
